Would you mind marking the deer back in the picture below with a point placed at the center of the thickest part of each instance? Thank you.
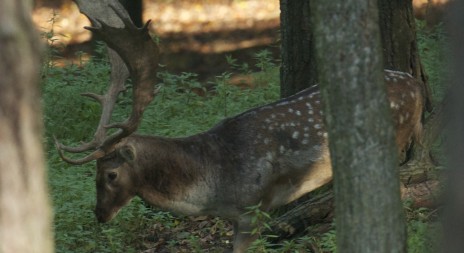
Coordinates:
(274, 149)
(407, 102)
(271, 154)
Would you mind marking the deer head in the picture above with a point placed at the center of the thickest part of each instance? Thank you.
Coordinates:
(115, 182)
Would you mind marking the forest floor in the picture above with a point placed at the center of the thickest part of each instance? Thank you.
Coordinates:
(195, 37)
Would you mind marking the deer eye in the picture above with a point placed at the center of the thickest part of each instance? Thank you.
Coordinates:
(112, 176)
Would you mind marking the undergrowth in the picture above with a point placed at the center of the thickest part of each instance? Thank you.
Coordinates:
(176, 111)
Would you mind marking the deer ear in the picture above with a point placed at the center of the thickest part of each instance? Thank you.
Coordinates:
(127, 152)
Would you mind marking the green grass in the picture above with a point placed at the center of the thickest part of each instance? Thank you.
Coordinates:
(433, 46)
(176, 111)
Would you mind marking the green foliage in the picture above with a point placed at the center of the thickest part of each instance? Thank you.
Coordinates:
(176, 111)
(260, 223)
(265, 242)
(423, 236)
(76, 229)
(62, 103)
(433, 45)
(328, 241)
(424, 231)
(179, 111)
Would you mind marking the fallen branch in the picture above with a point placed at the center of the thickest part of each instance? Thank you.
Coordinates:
(319, 208)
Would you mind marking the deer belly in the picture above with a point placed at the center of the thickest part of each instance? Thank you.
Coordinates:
(319, 174)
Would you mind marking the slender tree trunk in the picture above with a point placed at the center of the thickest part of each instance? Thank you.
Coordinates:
(368, 212)
(400, 50)
(454, 208)
(298, 69)
(135, 10)
(399, 43)
(25, 215)
(392, 14)
(398, 32)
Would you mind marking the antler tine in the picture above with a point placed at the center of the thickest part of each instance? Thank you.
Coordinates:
(141, 57)
(99, 133)
(119, 74)
(128, 126)
(81, 148)
(92, 156)
(98, 98)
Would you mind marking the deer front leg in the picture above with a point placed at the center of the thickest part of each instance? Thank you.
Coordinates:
(242, 234)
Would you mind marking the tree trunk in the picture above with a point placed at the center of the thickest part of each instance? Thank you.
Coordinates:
(361, 143)
(454, 208)
(298, 69)
(399, 42)
(135, 10)
(396, 56)
(25, 215)
(400, 50)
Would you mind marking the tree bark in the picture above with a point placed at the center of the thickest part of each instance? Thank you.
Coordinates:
(361, 143)
(135, 10)
(399, 41)
(400, 50)
(454, 208)
(25, 215)
(298, 68)
(396, 56)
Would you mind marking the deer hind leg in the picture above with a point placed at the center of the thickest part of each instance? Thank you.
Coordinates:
(242, 234)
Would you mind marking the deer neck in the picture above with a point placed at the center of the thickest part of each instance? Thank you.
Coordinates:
(181, 176)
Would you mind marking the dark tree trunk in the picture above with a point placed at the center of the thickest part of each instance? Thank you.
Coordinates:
(361, 143)
(25, 215)
(399, 42)
(400, 50)
(454, 208)
(298, 69)
(135, 10)
(414, 174)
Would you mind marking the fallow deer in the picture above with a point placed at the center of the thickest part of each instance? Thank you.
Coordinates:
(272, 154)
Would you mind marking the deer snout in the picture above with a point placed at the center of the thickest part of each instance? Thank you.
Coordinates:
(103, 215)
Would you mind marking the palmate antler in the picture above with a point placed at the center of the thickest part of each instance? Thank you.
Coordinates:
(128, 46)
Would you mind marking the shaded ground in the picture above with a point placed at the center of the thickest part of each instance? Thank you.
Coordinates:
(195, 234)
(195, 37)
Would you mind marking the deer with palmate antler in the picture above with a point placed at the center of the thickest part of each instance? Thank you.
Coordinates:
(272, 154)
